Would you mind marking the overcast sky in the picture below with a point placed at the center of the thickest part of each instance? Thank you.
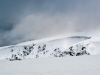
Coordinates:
(23, 20)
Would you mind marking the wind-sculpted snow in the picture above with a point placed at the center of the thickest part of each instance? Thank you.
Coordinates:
(52, 48)
(82, 48)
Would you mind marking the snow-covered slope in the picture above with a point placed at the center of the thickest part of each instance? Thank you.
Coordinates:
(51, 47)
(85, 65)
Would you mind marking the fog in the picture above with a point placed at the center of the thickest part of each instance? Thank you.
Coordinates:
(34, 19)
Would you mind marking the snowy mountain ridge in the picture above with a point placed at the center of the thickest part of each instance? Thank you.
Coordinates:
(51, 47)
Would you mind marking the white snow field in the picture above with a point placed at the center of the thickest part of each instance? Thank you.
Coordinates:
(82, 65)
(78, 55)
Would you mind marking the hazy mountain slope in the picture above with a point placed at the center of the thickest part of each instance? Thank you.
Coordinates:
(51, 47)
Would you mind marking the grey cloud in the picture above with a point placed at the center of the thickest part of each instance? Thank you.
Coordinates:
(23, 20)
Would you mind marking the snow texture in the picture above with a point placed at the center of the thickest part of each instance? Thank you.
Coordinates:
(85, 65)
